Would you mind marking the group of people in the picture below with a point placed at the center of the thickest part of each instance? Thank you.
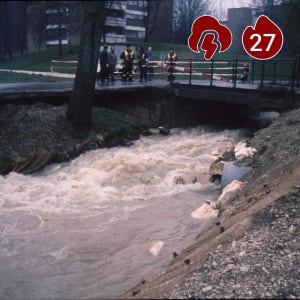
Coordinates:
(108, 62)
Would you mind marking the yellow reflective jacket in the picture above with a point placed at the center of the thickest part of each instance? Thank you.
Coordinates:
(171, 57)
(129, 55)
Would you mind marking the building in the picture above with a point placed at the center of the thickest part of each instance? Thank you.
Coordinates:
(52, 22)
(125, 21)
(238, 20)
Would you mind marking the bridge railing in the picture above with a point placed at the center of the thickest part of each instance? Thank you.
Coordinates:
(270, 72)
(274, 72)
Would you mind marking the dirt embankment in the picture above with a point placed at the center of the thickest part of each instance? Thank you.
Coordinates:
(253, 250)
(32, 136)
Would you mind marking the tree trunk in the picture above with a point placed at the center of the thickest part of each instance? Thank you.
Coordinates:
(80, 107)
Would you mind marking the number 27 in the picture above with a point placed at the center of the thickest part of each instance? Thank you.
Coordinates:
(258, 40)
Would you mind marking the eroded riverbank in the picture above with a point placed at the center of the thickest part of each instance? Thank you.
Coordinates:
(93, 226)
(72, 251)
(253, 249)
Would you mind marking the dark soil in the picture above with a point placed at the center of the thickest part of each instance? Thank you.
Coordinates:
(32, 136)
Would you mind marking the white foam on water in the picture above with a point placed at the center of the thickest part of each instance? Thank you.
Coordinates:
(86, 227)
(156, 248)
(205, 211)
(101, 177)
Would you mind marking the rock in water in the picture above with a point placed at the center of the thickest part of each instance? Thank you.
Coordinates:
(164, 130)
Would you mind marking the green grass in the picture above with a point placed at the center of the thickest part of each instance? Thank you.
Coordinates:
(38, 61)
(42, 61)
(10, 77)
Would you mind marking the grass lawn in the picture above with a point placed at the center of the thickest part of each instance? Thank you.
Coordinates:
(43, 61)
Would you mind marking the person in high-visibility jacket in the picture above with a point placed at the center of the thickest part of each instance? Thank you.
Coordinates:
(142, 61)
(170, 62)
(127, 59)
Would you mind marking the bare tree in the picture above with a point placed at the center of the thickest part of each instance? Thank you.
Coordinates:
(73, 18)
(291, 25)
(12, 28)
(151, 9)
(185, 12)
(286, 14)
(60, 19)
(80, 107)
(36, 22)
(158, 20)
(3, 29)
(264, 3)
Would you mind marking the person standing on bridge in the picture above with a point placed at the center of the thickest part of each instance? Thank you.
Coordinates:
(112, 62)
(142, 61)
(103, 56)
(170, 63)
(127, 58)
(244, 76)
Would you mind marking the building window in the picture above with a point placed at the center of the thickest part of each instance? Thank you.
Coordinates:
(136, 5)
(115, 13)
(115, 30)
(53, 34)
(139, 23)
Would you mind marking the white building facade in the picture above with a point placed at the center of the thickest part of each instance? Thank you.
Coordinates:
(124, 22)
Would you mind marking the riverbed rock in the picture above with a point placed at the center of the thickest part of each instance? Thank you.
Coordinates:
(228, 193)
(216, 170)
(241, 151)
(179, 180)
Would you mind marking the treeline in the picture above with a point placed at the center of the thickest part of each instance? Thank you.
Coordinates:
(12, 28)
(23, 23)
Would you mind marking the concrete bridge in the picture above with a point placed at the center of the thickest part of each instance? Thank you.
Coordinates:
(271, 85)
(269, 98)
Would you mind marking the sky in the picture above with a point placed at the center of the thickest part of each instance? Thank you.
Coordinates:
(221, 6)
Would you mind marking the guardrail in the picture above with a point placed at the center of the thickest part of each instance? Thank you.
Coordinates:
(274, 72)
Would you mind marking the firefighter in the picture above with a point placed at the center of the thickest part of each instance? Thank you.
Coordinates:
(142, 61)
(244, 76)
(170, 62)
(127, 59)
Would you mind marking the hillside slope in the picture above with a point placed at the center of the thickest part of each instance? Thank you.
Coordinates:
(254, 249)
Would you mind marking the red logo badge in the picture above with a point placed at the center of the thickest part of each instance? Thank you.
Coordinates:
(264, 40)
(211, 35)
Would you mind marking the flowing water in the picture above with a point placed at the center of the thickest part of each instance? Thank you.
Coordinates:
(96, 226)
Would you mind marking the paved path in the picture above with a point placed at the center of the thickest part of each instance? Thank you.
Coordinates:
(111, 85)
(65, 86)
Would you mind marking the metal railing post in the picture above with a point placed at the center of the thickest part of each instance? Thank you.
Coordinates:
(190, 77)
(297, 70)
(262, 75)
(171, 73)
(294, 75)
(252, 72)
(233, 68)
(274, 72)
(235, 73)
(211, 72)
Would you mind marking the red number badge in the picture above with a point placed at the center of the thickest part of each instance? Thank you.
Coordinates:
(264, 40)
